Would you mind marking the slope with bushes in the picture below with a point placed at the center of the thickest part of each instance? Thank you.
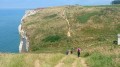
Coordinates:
(90, 27)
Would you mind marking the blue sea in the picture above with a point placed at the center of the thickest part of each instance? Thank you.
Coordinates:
(9, 35)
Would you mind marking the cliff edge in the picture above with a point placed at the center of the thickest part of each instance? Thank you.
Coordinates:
(24, 41)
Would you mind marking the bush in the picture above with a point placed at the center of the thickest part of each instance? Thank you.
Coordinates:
(50, 16)
(85, 17)
(52, 38)
(116, 2)
(86, 54)
(101, 39)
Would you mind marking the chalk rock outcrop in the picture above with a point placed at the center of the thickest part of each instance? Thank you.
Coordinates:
(24, 41)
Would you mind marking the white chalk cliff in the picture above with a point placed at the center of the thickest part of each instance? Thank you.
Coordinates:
(24, 41)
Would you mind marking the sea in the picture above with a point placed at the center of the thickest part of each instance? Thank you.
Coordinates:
(9, 35)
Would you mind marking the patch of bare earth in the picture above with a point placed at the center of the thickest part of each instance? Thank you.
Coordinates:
(36, 64)
(83, 62)
(74, 64)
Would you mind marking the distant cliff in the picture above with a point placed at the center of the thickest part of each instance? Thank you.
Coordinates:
(24, 41)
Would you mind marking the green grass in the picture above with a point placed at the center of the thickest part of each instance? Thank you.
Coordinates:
(68, 61)
(11, 60)
(104, 6)
(28, 60)
(85, 17)
(47, 30)
(51, 60)
(98, 60)
(95, 59)
(52, 38)
(50, 16)
(17, 61)
(92, 29)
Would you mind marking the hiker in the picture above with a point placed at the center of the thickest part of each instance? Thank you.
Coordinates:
(78, 52)
(67, 52)
(72, 49)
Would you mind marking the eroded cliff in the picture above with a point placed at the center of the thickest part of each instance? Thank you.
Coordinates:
(24, 41)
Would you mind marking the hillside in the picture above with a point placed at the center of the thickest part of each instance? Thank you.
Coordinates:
(58, 60)
(91, 28)
(51, 31)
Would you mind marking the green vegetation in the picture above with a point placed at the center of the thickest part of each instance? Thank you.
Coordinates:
(92, 29)
(48, 30)
(116, 2)
(95, 59)
(50, 16)
(29, 60)
(52, 38)
(68, 61)
(98, 60)
(11, 60)
(105, 6)
(85, 17)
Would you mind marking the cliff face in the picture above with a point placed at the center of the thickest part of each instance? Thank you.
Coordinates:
(24, 41)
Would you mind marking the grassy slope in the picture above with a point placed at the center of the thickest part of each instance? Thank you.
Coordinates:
(93, 30)
(96, 26)
(28, 60)
(55, 60)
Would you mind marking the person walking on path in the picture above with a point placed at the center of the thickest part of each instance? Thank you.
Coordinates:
(67, 52)
(71, 51)
(78, 52)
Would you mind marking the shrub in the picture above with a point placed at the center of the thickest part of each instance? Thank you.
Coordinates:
(85, 17)
(86, 54)
(52, 38)
(116, 2)
(50, 16)
(101, 39)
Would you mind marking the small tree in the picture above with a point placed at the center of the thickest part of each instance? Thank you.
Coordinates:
(116, 2)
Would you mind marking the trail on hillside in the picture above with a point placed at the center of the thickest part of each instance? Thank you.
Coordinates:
(68, 23)
(83, 62)
(36, 64)
(60, 64)
(74, 64)
(80, 61)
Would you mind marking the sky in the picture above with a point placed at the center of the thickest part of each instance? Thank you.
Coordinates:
(49, 3)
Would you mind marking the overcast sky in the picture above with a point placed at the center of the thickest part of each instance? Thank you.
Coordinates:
(47, 3)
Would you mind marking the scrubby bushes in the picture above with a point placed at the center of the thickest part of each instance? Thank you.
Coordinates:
(116, 2)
